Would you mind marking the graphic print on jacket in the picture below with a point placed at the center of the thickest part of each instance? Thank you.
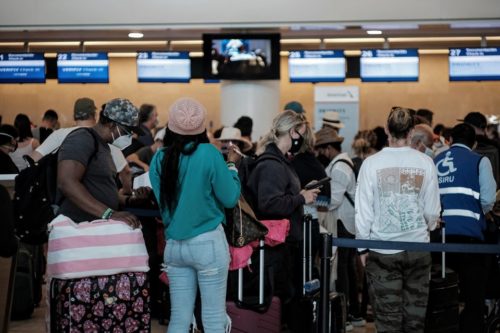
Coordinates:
(399, 189)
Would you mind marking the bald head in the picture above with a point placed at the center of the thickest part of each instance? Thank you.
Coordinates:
(422, 137)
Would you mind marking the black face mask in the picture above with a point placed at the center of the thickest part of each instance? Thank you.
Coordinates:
(325, 161)
(296, 144)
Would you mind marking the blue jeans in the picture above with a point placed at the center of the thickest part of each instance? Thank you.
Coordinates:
(199, 261)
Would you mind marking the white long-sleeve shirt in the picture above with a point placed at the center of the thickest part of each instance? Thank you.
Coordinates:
(397, 198)
(342, 181)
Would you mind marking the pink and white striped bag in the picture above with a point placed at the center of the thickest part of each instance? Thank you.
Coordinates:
(100, 247)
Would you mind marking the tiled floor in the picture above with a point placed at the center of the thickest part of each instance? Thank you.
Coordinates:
(37, 324)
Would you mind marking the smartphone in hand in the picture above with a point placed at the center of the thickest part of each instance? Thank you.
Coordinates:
(318, 184)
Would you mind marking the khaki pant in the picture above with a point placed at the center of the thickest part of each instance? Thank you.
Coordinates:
(399, 288)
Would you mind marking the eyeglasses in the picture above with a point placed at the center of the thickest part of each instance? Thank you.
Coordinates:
(127, 132)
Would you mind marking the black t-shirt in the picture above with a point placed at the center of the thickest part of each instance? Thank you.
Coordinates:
(135, 146)
(7, 166)
(145, 154)
(100, 172)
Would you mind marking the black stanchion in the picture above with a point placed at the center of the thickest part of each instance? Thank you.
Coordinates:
(326, 256)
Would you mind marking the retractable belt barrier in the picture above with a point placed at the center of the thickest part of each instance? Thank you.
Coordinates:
(417, 247)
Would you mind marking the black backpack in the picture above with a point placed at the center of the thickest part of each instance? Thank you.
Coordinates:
(36, 197)
(247, 165)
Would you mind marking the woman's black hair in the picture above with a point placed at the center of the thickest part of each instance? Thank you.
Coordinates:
(175, 145)
(23, 125)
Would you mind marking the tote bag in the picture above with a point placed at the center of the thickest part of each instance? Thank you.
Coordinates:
(245, 228)
(97, 248)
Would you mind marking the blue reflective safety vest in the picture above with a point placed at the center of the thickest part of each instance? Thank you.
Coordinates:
(458, 177)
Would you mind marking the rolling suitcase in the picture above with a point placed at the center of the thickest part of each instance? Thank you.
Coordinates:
(23, 303)
(443, 306)
(249, 315)
(110, 303)
(333, 307)
(306, 310)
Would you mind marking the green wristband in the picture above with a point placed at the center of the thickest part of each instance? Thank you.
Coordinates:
(107, 214)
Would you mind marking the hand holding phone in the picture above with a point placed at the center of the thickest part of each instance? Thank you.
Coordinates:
(317, 184)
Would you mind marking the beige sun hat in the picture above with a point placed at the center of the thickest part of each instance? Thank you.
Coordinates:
(234, 134)
(331, 118)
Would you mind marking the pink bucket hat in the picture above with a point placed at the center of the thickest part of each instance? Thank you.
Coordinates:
(187, 117)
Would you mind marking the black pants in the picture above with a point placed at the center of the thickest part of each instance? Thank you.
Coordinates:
(472, 270)
(347, 279)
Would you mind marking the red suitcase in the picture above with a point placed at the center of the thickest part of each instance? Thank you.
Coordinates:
(254, 321)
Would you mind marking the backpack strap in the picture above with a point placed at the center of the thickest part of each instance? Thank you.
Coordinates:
(347, 195)
(60, 200)
(96, 143)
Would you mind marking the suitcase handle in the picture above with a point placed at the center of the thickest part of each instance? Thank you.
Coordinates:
(306, 251)
(261, 306)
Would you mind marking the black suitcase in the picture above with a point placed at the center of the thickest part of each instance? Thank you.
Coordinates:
(28, 281)
(442, 307)
(338, 312)
(333, 306)
(306, 310)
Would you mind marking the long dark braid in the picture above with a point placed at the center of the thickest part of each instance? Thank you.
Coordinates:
(175, 145)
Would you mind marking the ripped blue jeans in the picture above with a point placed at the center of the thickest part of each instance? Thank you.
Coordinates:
(199, 261)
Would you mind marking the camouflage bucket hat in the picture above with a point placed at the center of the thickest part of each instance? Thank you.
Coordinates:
(123, 112)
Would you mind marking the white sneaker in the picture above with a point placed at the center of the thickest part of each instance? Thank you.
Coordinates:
(348, 326)
(357, 321)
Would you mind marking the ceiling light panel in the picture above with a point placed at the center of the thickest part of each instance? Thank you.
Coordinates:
(433, 39)
(186, 42)
(353, 40)
(301, 41)
(127, 43)
(54, 44)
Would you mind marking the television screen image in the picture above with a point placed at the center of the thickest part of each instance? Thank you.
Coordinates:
(317, 66)
(389, 65)
(241, 57)
(22, 68)
(83, 67)
(474, 64)
(163, 67)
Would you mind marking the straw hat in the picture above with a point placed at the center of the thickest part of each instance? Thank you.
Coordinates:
(234, 134)
(331, 118)
(327, 135)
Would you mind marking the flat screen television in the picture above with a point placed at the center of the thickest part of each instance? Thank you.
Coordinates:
(474, 64)
(83, 67)
(22, 68)
(241, 56)
(317, 66)
(389, 65)
(163, 67)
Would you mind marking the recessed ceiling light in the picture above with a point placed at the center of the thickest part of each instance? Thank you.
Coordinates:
(135, 35)
(374, 32)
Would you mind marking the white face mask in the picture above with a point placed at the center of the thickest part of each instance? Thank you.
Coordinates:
(429, 152)
(123, 141)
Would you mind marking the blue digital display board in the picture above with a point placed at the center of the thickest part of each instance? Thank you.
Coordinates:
(474, 64)
(163, 67)
(22, 68)
(82, 67)
(389, 65)
(317, 66)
